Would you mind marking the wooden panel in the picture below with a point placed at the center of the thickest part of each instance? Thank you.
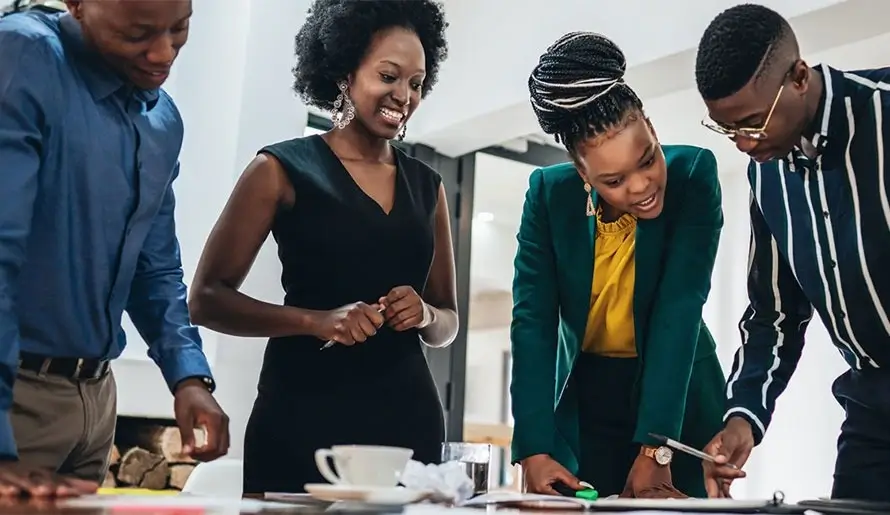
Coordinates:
(495, 434)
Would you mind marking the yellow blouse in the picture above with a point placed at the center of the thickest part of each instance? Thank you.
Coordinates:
(610, 322)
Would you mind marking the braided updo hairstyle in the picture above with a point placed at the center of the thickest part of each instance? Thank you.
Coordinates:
(577, 89)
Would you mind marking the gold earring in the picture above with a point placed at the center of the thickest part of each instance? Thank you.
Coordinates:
(590, 209)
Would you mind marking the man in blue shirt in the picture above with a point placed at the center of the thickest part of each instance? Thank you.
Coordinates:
(89, 148)
(820, 220)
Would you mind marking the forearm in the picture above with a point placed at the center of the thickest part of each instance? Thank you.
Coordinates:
(228, 311)
(9, 350)
(667, 368)
(28, 107)
(443, 329)
(772, 330)
(157, 307)
(534, 419)
(533, 383)
(7, 438)
(761, 369)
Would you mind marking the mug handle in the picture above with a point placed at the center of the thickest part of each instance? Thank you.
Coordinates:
(321, 461)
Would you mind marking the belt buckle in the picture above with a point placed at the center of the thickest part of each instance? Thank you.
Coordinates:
(100, 371)
(96, 374)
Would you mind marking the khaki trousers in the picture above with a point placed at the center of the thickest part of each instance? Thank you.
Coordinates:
(63, 424)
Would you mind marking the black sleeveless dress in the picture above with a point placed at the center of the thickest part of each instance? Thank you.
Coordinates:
(337, 246)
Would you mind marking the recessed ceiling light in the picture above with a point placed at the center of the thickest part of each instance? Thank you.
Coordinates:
(484, 216)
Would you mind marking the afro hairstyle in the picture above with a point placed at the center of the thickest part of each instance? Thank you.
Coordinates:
(337, 33)
(734, 45)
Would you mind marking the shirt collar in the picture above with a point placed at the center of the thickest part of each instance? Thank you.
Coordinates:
(826, 124)
(100, 78)
(826, 127)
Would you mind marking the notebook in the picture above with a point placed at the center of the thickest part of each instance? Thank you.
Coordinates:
(537, 501)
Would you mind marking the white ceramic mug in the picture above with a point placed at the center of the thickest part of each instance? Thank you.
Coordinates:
(363, 465)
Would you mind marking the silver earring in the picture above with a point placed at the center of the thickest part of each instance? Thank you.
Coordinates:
(344, 110)
(403, 132)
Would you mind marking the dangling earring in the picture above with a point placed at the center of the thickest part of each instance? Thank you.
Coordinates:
(344, 110)
(591, 211)
(402, 132)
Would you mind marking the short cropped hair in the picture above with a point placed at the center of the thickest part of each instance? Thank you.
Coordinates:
(733, 47)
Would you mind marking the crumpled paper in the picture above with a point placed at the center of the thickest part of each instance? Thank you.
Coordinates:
(447, 481)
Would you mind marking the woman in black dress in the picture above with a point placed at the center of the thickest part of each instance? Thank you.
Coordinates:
(365, 244)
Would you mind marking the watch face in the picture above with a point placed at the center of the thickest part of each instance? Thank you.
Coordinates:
(663, 455)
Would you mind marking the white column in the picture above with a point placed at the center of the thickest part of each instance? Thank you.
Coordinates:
(269, 112)
(207, 88)
(232, 84)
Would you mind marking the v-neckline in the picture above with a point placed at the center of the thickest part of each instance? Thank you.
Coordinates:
(355, 185)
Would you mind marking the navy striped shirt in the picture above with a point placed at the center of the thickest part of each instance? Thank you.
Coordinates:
(820, 238)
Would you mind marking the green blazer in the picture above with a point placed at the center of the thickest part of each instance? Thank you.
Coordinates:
(680, 382)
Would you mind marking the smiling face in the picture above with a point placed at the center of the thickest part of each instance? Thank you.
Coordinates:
(139, 39)
(386, 87)
(626, 167)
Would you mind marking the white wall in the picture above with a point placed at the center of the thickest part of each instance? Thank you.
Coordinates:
(484, 399)
(232, 84)
(491, 78)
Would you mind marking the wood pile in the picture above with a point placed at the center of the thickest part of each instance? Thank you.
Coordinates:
(148, 456)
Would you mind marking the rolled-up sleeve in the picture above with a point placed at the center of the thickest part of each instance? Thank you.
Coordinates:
(158, 301)
(25, 98)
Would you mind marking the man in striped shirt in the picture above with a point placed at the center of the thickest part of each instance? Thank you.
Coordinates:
(820, 227)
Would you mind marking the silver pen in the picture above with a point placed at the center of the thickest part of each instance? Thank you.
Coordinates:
(688, 450)
(330, 343)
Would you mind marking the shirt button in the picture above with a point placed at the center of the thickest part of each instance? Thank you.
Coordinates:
(833, 263)
(825, 214)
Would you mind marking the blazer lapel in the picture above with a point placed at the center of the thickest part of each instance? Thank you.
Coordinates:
(574, 247)
(649, 247)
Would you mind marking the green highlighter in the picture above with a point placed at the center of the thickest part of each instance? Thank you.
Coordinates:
(589, 493)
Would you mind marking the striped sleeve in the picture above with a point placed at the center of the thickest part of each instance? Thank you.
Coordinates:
(772, 331)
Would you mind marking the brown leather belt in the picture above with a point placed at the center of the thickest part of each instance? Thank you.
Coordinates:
(79, 369)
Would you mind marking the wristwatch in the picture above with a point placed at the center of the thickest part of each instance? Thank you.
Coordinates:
(662, 455)
(208, 383)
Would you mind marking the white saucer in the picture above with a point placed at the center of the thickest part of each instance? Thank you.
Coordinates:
(395, 495)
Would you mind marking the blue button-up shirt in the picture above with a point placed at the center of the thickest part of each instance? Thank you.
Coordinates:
(820, 239)
(86, 209)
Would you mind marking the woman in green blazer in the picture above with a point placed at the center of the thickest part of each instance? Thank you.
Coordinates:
(613, 268)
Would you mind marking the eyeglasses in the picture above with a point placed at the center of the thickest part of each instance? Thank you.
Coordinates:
(758, 133)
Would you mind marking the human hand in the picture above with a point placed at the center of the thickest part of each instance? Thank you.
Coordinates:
(349, 324)
(542, 472)
(404, 308)
(649, 480)
(195, 407)
(731, 448)
(18, 479)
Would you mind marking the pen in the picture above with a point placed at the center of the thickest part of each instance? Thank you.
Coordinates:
(331, 343)
(688, 450)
